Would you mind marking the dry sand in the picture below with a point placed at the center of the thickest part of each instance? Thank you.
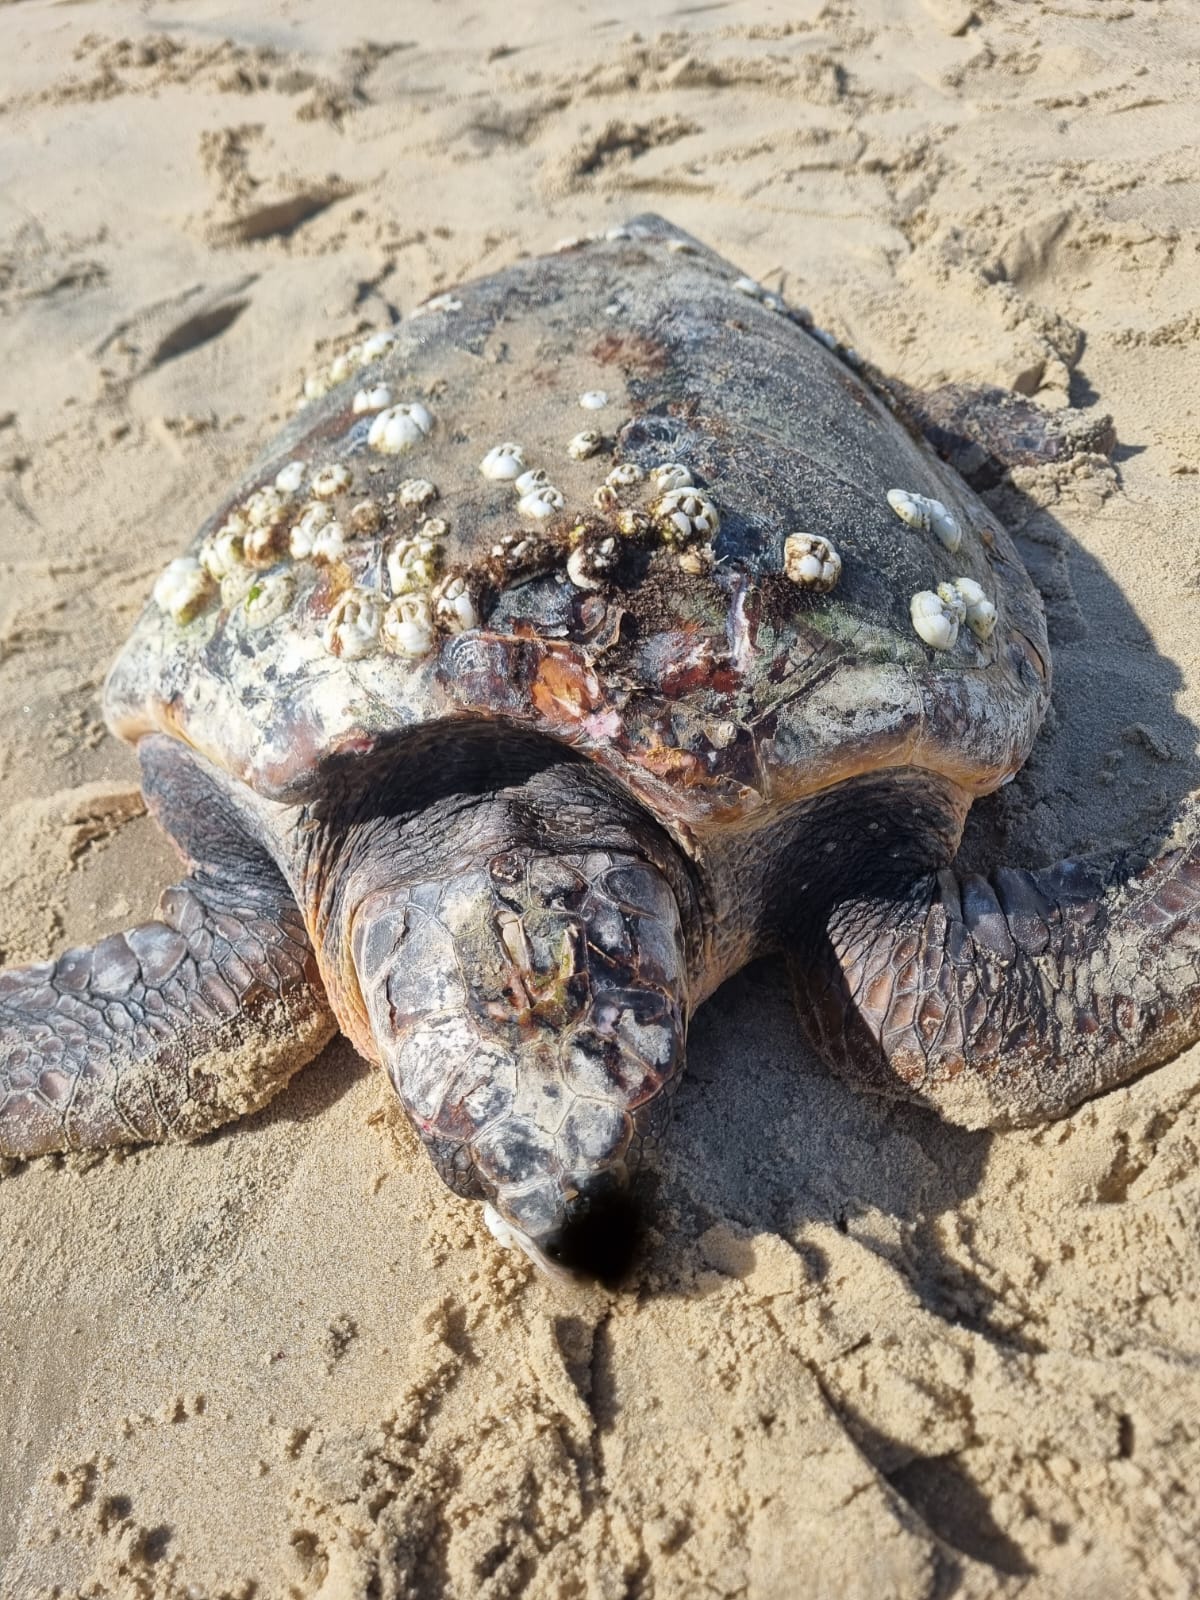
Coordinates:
(868, 1356)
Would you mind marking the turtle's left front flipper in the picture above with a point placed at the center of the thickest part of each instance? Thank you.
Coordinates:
(1009, 999)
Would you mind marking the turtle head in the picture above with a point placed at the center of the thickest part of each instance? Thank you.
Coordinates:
(530, 1008)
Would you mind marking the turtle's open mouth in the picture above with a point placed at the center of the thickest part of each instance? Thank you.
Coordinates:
(597, 1240)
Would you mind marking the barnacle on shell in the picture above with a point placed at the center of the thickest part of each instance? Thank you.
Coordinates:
(935, 621)
(454, 605)
(352, 629)
(265, 507)
(407, 626)
(318, 536)
(584, 444)
(541, 503)
(686, 514)
(268, 597)
(503, 462)
(183, 589)
(980, 612)
(330, 480)
(397, 428)
(374, 399)
(920, 511)
(592, 562)
(415, 493)
(697, 559)
(412, 563)
(223, 551)
(811, 562)
(670, 475)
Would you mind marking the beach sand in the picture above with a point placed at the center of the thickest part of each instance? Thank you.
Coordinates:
(867, 1354)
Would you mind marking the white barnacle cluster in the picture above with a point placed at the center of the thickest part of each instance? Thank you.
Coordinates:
(353, 626)
(404, 620)
(318, 535)
(938, 614)
(360, 354)
(537, 497)
(183, 590)
(268, 597)
(928, 515)
(683, 516)
(593, 561)
(585, 444)
(413, 563)
(686, 515)
(398, 428)
(376, 398)
(811, 562)
(415, 493)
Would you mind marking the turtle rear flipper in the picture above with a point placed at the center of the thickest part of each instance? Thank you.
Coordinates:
(178, 1025)
(1005, 1000)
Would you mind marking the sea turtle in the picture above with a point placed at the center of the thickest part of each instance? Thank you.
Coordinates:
(594, 631)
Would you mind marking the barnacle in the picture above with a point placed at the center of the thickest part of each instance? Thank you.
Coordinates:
(811, 561)
(268, 597)
(934, 619)
(330, 480)
(407, 626)
(686, 514)
(541, 503)
(354, 623)
(398, 428)
(375, 399)
(184, 589)
(412, 564)
(584, 444)
(919, 511)
(503, 462)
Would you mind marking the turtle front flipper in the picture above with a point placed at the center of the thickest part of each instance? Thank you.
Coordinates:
(1005, 1000)
(176, 1026)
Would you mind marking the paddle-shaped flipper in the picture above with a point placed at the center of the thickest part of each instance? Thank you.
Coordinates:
(1011, 999)
(179, 1025)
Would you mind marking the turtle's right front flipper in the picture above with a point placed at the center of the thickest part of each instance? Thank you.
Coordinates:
(181, 1024)
(165, 1031)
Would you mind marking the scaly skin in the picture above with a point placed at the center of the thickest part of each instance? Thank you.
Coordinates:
(1011, 999)
(179, 1025)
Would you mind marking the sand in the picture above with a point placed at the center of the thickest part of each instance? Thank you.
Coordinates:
(867, 1355)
